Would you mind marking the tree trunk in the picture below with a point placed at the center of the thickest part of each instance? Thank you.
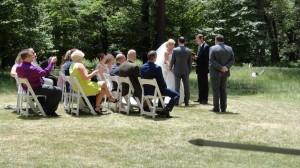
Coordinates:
(291, 40)
(262, 33)
(160, 24)
(146, 43)
(272, 33)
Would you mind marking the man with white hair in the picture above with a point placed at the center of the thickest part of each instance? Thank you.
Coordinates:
(131, 70)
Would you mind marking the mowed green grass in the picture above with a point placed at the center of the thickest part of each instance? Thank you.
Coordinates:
(264, 111)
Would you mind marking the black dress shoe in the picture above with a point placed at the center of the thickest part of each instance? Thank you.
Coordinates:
(166, 111)
(203, 102)
(223, 110)
(215, 110)
(53, 115)
(186, 104)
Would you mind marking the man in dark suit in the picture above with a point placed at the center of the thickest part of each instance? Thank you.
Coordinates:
(150, 70)
(221, 59)
(181, 64)
(202, 59)
(120, 59)
(131, 70)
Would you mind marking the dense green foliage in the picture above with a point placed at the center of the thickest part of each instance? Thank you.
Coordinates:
(262, 32)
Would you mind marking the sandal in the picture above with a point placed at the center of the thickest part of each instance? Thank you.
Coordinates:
(99, 110)
(113, 100)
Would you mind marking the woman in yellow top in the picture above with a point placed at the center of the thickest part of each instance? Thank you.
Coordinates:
(89, 87)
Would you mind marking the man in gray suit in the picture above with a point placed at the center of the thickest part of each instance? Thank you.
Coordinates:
(221, 59)
(181, 64)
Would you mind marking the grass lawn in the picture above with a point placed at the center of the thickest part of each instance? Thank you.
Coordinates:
(264, 111)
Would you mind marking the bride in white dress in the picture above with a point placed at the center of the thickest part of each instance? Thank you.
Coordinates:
(164, 56)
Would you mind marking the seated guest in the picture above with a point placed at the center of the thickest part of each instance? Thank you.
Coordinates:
(110, 61)
(120, 59)
(101, 64)
(89, 87)
(150, 70)
(131, 70)
(43, 65)
(34, 63)
(13, 72)
(34, 76)
(66, 66)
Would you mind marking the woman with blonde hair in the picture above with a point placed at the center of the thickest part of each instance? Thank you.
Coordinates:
(89, 87)
(109, 62)
(13, 72)
(164, 56)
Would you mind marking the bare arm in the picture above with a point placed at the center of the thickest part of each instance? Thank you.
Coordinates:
(13, 72)
(167, 62)
(84, 72)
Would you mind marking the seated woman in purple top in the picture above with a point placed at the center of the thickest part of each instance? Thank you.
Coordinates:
(34, 76)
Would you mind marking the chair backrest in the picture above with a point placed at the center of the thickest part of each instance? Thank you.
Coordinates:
(115, 79)
(151, 82)
(126, 80)
(31, 93)
(75, 85)
(25, 82)
(108, 81)
(20, 89)
(77, 91)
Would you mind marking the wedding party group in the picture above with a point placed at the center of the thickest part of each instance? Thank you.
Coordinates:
(170, 66)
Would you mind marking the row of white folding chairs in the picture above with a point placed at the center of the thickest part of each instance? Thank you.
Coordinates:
(127, 101)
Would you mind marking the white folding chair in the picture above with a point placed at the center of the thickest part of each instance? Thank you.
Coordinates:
(29, 95)
(109, 83)
(128, 101)
(66, 94)
(115, 93)
(77, 95)
(154, 99)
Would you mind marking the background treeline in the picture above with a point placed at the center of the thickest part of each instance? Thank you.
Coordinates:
(262, 32)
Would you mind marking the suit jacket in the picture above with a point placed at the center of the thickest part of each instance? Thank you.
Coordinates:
(181, 61)
(131, 70)
(203, 59)
(150, 70)
(220, 55)
(114, 71)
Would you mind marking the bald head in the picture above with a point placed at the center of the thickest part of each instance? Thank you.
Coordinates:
(131, 55)
(120, 58)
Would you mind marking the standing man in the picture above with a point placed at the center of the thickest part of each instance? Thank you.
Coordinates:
(34, 75)
(181, 64)
(202, 59)
(131, 70)
(150, 70)
(221, 59)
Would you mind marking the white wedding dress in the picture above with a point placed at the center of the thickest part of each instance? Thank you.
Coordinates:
(167, 74)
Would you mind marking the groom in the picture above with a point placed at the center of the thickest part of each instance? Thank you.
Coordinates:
(181, 64)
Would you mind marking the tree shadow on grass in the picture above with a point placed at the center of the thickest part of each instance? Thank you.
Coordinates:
(228, 145)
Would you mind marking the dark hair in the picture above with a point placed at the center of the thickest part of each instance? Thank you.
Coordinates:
(101, 56)
(200, 36)
(24, 53)
(151, 54)
(219, 38)
(181, 39)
